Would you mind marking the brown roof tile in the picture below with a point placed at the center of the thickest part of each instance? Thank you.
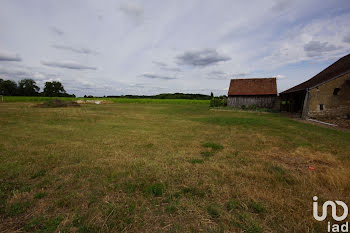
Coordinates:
(340, 67)
(253, 86)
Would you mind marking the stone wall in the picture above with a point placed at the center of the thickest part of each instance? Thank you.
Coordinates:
(267, 101)
(331, 99)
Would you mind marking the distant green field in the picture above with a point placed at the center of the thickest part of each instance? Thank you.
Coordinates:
(115, 100)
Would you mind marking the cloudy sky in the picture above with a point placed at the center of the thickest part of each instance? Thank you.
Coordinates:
(158, 46)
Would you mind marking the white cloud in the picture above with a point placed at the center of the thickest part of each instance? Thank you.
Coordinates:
(280, 76)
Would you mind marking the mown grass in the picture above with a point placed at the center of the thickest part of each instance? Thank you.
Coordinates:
(164, 168)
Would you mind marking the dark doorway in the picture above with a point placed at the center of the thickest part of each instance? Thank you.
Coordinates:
(293, 102)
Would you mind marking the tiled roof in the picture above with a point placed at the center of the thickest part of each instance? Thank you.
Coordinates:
(253, 86)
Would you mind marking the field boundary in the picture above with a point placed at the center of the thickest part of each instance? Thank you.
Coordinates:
(114, 100)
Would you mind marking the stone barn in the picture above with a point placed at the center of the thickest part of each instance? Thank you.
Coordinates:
(327, 94)
(261, 92)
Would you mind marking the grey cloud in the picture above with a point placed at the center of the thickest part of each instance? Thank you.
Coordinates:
(240, 74)
(202, 58)
(165, 67)
(317, 48)
(133, 10)
(219, 75)
(13, 73)
(68, 65)
(281, 5)
(56, 31)
(160, 64)
(173, 69)
(155, 76)
(75, 50)
(9, 57)
(21, 72)
(346, 39)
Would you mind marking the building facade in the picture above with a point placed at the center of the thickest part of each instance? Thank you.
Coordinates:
(327, 94)
(259, 92)
(331, 99)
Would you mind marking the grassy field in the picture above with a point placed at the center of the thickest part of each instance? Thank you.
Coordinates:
(114, 100)
(165, 168)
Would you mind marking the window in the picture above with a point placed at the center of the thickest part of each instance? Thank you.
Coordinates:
(321, 107)
(336, 90)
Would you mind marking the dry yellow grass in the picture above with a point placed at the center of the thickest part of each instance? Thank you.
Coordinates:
(164, 167)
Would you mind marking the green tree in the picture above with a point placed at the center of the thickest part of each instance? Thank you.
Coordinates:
(54, 88)
(28, 87)
(1, 81)
(8, 87)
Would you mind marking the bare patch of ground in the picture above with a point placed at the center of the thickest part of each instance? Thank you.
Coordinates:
(56, 103)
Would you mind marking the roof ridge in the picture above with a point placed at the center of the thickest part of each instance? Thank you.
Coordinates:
(252, 78)
(336, 69)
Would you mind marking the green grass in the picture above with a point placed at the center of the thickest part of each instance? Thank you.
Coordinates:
(115, 100)
(213, 146)
(168, 165)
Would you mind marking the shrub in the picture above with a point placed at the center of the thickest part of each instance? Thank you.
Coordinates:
(252, 107)
(218, 102)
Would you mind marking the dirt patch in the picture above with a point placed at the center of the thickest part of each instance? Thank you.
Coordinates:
(56, 103)
(94, 102)
(293, 163)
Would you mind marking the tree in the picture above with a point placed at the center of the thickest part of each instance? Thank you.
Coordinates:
(211, 95)
(1, 81)
(8, 87)
(54, 88)
(28, 87)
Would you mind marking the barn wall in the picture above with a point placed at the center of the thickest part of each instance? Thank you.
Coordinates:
(333, 105)
(260, 101)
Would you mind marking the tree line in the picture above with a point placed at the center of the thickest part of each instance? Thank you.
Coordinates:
(28, 87)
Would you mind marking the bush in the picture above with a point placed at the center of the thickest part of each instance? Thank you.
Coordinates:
(218, 102)
(252, 107)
